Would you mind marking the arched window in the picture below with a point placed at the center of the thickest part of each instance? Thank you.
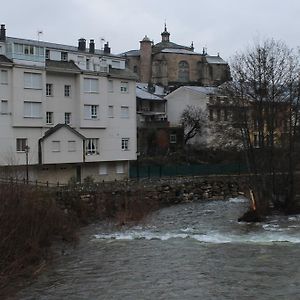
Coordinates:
(183, 71)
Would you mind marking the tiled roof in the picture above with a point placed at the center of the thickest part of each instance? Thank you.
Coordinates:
(215, 60)
(68, 66)
(122, 73)
(145, 95)
(59, 126)
(4, 59)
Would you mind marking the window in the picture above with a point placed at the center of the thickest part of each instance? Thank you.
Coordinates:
(68, 118)
(183, 71)
(21, 144)
(28, 49)
(92, 147)
(32, 109)
(120, 168)
(4, 77)
(103, 169)
(32, 81)
(110, 111)
(47, 54)
(110, 86)
(4, 107)
(67, 91)
(91, 85)
(49, 117)
(88, 65)
(49, 89)
(173, 138)
(125, 144)
(72, 146)
(124, 87)
(64, 56)
(90, 112)
(135, 69)
(55, 146)
(124, 112)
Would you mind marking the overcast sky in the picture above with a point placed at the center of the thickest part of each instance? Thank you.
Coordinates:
(223, 26)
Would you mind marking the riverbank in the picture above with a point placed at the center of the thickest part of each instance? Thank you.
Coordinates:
(32, 219)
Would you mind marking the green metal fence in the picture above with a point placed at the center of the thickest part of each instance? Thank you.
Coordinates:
(150, 171)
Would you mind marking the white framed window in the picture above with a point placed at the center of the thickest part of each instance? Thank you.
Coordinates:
(125, 144)
(32, 109)
(21, 144)
(91, 85)
(92, 146)
(4, 107)
(71, 146)
(120, 168)
(91, 111)
(4, 77)
(49, 117)
(32, 81)
(124, 87)
(67, 90)
(110, 86)
(173, 138)
(64, 56)
(49, 89)
(110, 112)
(55, 146)
(124, 112)
(68, 118)
(103, 169)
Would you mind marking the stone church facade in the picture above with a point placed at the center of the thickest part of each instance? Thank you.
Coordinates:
(172, 65)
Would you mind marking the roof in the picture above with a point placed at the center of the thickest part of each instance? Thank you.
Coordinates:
(131, 53)
(163, 45)
(202, 89)
(196, 89)
(54, 46)
(122, 73)
(62, 66)
(215, 60)
(144, 94)
(58, 127)
(179, 51)
(4, 59)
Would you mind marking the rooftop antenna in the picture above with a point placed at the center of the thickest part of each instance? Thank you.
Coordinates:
(39, 34)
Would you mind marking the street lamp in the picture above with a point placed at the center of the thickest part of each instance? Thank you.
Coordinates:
(27, 148)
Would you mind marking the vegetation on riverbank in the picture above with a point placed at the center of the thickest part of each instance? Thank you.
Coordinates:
(33, 218)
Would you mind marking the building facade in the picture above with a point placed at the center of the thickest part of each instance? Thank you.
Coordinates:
(171, 65)
(66, 112)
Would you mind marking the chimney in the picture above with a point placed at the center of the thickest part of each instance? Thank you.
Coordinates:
(81, 44)
(2, 33)
(106, 48)
(92, 46)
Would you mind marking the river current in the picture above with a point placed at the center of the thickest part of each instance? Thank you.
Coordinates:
(188, 251)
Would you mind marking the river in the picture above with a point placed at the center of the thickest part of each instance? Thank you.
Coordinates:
(188, 251)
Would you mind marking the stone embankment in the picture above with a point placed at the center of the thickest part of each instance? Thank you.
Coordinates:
(164, 191)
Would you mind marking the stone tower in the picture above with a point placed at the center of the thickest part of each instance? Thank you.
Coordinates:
(145, 59)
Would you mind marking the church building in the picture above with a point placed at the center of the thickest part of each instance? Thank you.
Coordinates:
(172, 65)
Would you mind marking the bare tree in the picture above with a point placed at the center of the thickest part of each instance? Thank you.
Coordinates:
(194, 121)
(265, 89)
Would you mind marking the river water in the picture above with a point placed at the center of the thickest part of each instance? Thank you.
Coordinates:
(188, 251)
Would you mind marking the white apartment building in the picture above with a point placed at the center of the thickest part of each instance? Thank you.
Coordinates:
(65, 111)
